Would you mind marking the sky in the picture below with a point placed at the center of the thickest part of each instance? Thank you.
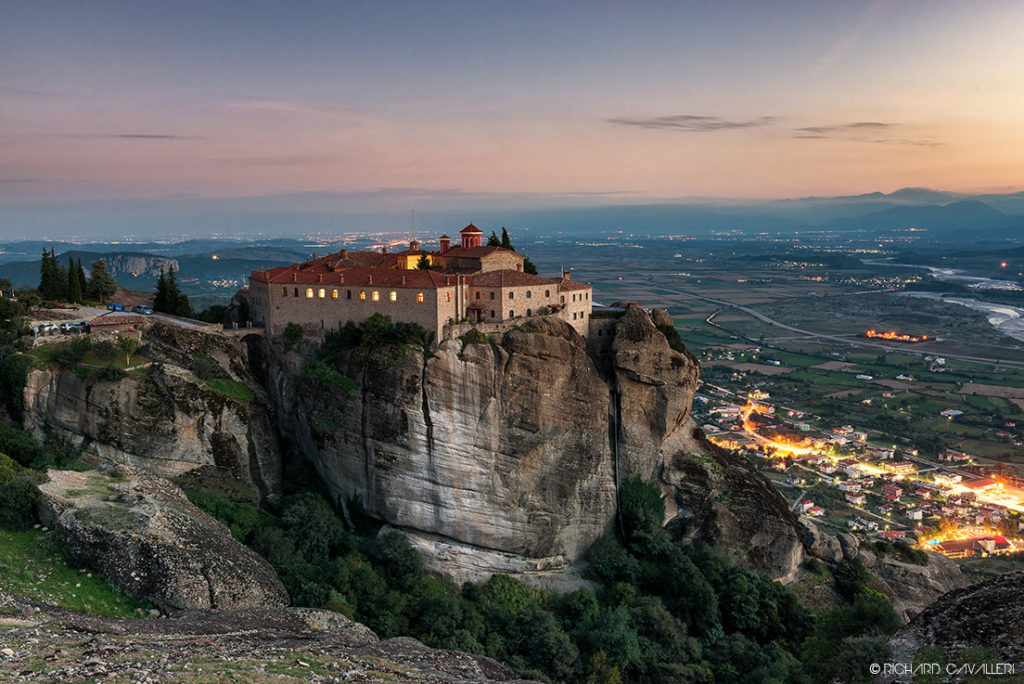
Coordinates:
(553, 101)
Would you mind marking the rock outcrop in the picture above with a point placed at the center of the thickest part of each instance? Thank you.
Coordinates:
(252, 645)
(144, 535)
(911, 586)
(176, 416)
(987, 616)
(513, 444)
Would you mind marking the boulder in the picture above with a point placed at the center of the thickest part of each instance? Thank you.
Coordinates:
(142, 533)
(819, 544)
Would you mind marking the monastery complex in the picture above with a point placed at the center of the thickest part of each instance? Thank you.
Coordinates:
(471, 283)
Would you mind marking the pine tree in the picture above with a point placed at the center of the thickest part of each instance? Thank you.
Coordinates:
(528, 266)
(53, 283)
(160, 297)
(101, 283)
(493, 241)
(177, 302)
(505, 241)
(73, 288)
(423, 263)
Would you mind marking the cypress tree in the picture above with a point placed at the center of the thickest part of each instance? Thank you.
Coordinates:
(493, 241)
(505, 241)
(160, 297)
(74, 290)
(81, 276)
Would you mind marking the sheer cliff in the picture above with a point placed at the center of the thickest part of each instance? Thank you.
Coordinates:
(502, 453)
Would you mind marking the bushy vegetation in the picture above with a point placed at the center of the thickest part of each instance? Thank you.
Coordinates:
(291, 335)
(376, 331)
(662, 613)
(675, 340)
(168, 297)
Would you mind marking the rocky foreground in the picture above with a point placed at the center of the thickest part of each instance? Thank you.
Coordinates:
(41, 643)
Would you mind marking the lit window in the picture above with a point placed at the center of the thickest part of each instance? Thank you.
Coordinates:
(362, 294)
(419, 297)
(394, 296)
(334, 294)
(447, 296)
(309, 292)
(376, 295)
(322, 293)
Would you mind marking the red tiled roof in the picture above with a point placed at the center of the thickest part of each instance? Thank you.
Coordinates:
(470, 229)
(476, 252)
(117, 320)
(509, 278)
(370, 277)
(567, 284)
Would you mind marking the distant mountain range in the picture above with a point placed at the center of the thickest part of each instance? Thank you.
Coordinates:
(331, 215)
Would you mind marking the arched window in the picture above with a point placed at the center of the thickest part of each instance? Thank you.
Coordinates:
(547, 293)
(511, 313)
(529, 312)
(574, 298)
(529, 294)
(419, 297)
(322, 293)
(375, 296)
(362, 294)
(394, 296)
(309, 293)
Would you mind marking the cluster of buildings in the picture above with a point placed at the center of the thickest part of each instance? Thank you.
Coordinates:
(437, 289)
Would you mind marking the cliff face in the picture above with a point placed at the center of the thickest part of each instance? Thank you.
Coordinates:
(502, 455)
(166, 418)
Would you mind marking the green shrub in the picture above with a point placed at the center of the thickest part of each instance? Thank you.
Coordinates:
(18, 496)
(292, 334)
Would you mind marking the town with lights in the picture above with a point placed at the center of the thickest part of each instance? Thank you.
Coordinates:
(844, 476)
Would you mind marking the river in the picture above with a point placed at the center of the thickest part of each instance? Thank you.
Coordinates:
(954, 275)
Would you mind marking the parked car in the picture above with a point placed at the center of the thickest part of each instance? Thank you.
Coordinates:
(143, 309)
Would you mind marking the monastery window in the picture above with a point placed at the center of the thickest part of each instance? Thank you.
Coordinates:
(587, 295)
(574, 298)
(511, 295)
(322, 293)
(563, 299)
(309, 293)
(296, 292)
(492, 295)
(529, 312)
(478, 295)
(334, 294)
(529, 294)
(419, 297)
(492, 313)
(547, 293)
(447, 296)
(375, 296)
(394, 296)
(511, 313)
(362, 294)
(284, 291)
(348, 294)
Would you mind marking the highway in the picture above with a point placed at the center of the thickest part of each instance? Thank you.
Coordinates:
(835, 338)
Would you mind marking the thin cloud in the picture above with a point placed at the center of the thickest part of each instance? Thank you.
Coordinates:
(17, 180)
(863, 131)
(691, 123)
(150, 136)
